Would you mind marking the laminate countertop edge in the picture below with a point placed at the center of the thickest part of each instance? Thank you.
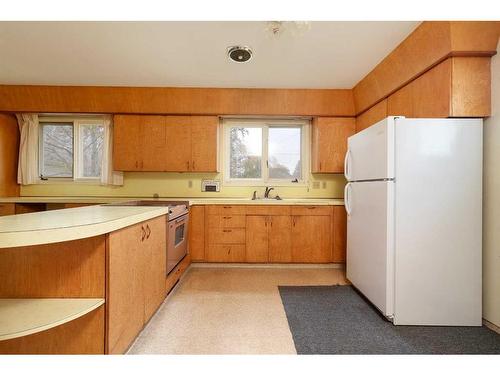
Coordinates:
(41, 228)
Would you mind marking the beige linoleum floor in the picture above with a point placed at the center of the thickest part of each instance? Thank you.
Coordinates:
(228, 311)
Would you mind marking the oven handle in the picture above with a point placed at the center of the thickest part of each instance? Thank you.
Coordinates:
(180, 220)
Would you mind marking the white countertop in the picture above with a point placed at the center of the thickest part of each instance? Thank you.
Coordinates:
(192, 200)
(71, 223)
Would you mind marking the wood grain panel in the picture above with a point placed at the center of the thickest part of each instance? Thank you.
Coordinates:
(339, 234)
(84, 335)
(204, 141)
(217, 209)
(26, 208)
(69, 269)
(373, 115)
(167, 100)
(153, 143)
(257, 250)
(312, 210)
(400, 103)
(432, 92)
(155, 265)
(124, 296)
(127, 142)
(226, 236)
(9, 152)
(329, 143)
(226, 221)
(428, 45)
(311, 239)
(268, 210)
(225, 253)
(280, 239)
(178, 152)
(197, 233)
(471, 87)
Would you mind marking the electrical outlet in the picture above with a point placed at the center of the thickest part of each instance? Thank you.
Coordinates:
(315, 184)
(323, 184)
(190, 184)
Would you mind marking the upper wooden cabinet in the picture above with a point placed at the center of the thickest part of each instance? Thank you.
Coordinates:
(165, 143)
(329, 143)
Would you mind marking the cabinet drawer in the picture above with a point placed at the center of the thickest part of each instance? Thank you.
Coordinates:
(225, 253)
(226, 221)
(269, 210)
(226, 210)
(312, 210)
(226, 236)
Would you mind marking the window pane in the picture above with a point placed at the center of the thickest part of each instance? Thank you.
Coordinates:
(92, 138)
(245, 152)
(57, 150)
(284, 153)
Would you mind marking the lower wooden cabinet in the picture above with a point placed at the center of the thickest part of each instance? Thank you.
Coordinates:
(311, 239)
(136, 280)
(274, 234)
(196, 233)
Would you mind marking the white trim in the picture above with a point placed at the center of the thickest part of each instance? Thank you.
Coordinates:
(265, 123)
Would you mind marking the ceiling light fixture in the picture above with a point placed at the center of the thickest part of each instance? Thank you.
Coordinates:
(239, 54)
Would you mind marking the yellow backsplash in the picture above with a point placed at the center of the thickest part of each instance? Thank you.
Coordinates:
(142, 184)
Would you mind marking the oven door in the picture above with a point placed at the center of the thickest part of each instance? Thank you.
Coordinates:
(177, 241)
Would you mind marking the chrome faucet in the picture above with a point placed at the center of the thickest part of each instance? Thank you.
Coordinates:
(268, 190)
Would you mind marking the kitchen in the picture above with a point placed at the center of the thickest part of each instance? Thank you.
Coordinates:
(222, 208)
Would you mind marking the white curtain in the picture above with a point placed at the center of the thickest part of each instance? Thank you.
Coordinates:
(108, 175)
(27, 169)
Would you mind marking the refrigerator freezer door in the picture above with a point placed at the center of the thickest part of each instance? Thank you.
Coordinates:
(438, 219)
(370, 250)
(370, 153)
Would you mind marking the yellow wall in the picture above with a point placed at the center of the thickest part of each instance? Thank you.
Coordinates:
(142, 184)
(491, 202)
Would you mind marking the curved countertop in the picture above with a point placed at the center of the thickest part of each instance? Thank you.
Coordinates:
(71, 223)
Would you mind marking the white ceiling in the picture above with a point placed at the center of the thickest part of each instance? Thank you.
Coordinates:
(328, 55)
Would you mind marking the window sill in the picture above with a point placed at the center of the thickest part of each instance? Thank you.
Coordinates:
(68, 181)
(265, 183)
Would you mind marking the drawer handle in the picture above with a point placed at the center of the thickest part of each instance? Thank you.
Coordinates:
(227, 230)
(148, 229)
(227, 217)
(226, 207)
(143, 233)
(311, 208)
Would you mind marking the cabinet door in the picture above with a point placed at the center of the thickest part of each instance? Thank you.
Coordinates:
(329, 143)
(178, 153)
(154, 251)
(257, 239)
(124, 299)
(204, 140)
(311, 239)
(127, 142)
(197, 233)
(280, 239)
(154, 144)
(339, 234)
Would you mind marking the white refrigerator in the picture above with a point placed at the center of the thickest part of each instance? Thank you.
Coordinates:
(414, 219)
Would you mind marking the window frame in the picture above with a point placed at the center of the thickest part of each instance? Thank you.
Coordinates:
(77, 122)
(265, 123)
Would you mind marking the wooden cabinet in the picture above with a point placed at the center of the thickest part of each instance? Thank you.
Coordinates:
(225, 233)
(257, 250)
(7, 209)
(136, 280)
(197, 233)
(457, 87)
(329, 143)
(311, 239)
(280, 239)
(371, 116)
(339, 234)
(165, 143)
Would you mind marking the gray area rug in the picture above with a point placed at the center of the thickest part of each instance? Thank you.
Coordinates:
(338, 320)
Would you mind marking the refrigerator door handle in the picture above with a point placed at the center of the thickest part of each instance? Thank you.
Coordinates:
(346, 165)
(346, 199)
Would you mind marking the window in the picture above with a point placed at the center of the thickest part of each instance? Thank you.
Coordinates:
(265, 151)
(71, 148)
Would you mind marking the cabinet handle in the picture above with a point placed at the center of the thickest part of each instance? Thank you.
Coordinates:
(193, 166)
(293, 220)
(226, 206)
(227, 217)
(320, 166)
(148, 231)
(228, 251)
(143, 233)
(271, 221)
(188, 165)
(311, 208)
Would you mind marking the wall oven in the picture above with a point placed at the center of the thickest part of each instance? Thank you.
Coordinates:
(177, 236)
